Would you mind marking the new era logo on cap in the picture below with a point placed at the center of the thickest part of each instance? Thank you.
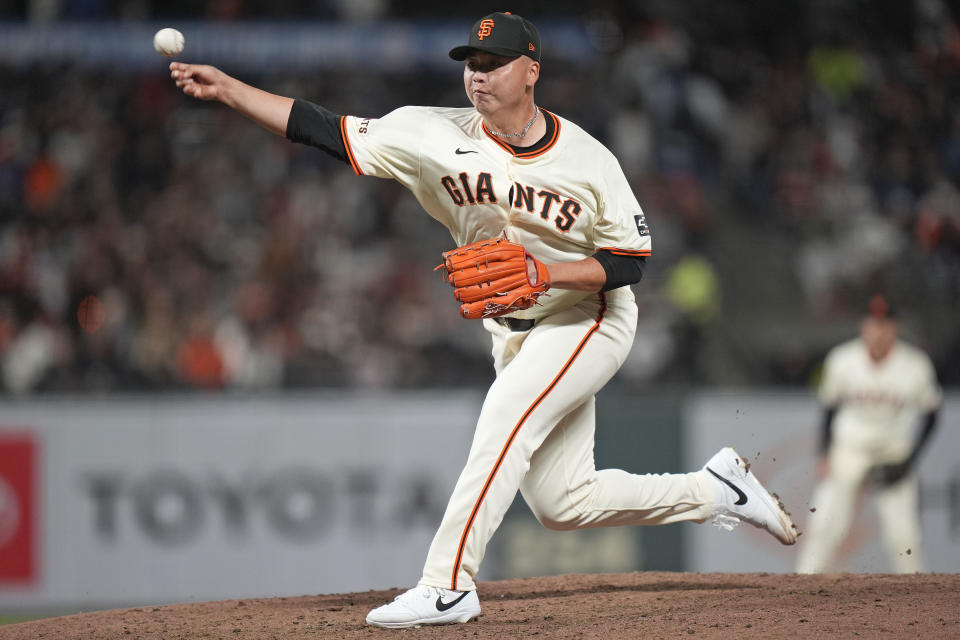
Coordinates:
(502, 34)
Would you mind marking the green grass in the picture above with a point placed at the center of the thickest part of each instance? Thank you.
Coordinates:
(13, 619)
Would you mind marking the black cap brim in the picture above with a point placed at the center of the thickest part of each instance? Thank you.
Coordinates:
(462, 53)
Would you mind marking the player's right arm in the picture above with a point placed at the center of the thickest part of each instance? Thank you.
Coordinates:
(204, 82)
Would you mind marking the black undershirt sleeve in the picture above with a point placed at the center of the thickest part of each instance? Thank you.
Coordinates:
(826, 428)
(620, 270)
(929, 422)
(311, 124)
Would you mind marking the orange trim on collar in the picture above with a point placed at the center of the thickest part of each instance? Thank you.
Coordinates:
(528, 154)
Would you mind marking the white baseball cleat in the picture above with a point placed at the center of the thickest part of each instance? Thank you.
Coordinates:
(740, 496)
(426, 605)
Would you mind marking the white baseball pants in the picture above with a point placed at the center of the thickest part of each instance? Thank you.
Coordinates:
(835, 501)
(536, 434)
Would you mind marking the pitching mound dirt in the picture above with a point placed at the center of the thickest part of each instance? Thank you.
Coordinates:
(634, 605)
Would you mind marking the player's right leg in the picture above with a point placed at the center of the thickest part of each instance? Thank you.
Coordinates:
(543, 375)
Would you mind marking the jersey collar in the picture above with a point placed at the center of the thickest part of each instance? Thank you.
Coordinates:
(541, 146)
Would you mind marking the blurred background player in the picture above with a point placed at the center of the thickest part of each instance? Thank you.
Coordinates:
(873, 389)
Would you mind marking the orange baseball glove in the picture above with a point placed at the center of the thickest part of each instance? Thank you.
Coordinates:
(490, 278)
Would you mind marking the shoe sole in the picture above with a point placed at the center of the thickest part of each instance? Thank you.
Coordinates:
(458, 618)
(788, 532)
(451, 617)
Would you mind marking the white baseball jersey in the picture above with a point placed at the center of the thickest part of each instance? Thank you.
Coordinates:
(878, 402)
(563, 199)
(562, 202)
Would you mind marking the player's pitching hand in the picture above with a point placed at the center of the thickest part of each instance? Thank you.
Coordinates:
(199, 81)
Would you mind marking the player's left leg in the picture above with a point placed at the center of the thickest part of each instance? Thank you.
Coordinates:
(565, 490)
(900, 519)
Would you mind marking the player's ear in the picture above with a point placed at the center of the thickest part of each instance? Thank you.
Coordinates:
(533, 72)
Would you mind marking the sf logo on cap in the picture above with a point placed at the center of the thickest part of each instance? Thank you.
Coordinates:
(486, 28)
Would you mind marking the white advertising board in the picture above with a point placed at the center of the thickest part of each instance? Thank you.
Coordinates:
(778, 433)
(119, 502)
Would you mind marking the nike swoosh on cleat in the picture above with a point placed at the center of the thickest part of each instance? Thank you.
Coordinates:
(460, 152)
(442, 606)
(741, 496)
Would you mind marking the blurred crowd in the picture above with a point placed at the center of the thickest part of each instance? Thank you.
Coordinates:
(790, 163)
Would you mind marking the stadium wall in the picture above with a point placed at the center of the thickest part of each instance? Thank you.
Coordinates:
(121, 502)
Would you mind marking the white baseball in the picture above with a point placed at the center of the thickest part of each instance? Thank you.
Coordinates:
(168, 41)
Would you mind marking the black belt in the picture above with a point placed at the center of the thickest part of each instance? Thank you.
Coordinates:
(515, 324)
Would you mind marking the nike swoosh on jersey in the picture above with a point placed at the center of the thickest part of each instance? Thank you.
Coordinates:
(741, 496)
(460, 152)
(443, 606)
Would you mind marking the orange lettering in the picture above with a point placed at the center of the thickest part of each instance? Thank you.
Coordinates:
(486, 28)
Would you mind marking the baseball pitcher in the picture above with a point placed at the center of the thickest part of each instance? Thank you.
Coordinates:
(548, 237)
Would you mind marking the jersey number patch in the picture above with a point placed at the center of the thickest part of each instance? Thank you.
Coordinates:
(642, 227)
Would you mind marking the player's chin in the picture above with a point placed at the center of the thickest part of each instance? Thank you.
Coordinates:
(484, 102)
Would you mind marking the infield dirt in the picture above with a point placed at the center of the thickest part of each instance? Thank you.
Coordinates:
(632, 605)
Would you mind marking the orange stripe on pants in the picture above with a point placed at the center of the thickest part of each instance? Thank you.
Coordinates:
(513, 435)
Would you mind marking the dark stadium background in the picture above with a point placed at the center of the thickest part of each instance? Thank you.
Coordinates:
(792, 157)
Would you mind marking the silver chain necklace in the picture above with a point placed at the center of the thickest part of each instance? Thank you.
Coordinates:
(536, 112)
